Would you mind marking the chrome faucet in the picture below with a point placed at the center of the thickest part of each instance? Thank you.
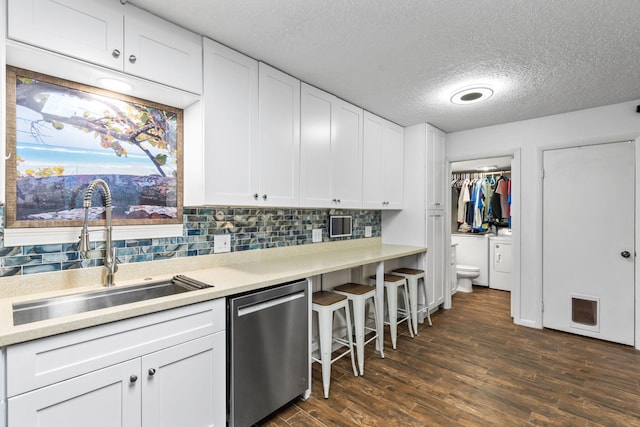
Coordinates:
(84, 245)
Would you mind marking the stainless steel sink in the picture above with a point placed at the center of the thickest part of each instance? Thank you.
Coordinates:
(51, 308)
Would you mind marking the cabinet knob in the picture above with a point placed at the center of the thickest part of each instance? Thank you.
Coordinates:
(115, 53)
(255, 196)
(338, 201)
(152, 372)
(133, 379)
(132, 59)
(264, 197)
(334, 201)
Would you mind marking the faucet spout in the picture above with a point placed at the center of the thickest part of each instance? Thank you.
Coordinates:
(110, 262)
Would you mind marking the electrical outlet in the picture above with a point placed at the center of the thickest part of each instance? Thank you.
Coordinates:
(316, 235)
(368, 231)
(221, 243)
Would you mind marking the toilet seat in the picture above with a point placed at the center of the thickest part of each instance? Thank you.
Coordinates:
(467, 268)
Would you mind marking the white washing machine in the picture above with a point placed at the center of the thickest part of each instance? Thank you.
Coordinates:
(500, 263)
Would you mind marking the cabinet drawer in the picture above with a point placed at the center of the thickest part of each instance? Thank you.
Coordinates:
(38, 363)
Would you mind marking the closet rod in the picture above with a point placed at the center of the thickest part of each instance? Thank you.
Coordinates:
(500, 172)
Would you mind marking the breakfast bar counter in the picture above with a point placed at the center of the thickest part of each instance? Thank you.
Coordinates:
(229, 274)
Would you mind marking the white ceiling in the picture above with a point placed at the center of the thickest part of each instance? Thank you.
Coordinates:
(403, 59)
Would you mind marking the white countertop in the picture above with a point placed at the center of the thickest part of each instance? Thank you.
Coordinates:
(228, 273)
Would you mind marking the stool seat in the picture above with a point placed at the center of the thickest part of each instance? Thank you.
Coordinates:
(388, 277)
(361, 296)
(413, 276)
(325, 304)
(392, 283)
(326, 298)
(411, 271)
(354, 288)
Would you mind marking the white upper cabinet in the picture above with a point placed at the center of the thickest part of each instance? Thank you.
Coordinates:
(315, 147)
(435, 168)
(346, 154)
(90, 30)
(330, 151)
(106, 33)
(279, 138)
(230, 96)
(158, 50)
(382, 163)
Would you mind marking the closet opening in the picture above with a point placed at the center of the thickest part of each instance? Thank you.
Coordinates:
(481, 245)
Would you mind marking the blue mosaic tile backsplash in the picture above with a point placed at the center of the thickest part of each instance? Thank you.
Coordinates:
(250, 228)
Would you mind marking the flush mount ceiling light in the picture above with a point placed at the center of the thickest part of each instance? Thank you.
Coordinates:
(472, 95)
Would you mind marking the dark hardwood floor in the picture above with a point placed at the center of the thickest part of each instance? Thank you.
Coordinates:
(474, 367)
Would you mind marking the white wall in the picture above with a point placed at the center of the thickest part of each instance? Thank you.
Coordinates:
(618, 122)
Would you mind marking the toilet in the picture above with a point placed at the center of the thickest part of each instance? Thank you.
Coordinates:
(465, 274)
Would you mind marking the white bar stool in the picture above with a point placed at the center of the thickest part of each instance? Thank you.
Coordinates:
(414, 279)
(325, 304)
(361, 296)
(391, 284)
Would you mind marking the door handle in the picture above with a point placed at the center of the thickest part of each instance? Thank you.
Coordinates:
(625, 254)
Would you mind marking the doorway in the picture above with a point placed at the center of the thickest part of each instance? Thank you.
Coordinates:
(589, 241)
(473, 247)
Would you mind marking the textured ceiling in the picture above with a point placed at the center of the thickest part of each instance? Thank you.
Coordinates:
(402, 59)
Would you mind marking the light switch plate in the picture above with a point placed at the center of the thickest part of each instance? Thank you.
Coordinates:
(221, 243)
(367, 231)
(316, 235)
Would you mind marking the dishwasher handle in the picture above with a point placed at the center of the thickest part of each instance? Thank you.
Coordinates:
(263, 305)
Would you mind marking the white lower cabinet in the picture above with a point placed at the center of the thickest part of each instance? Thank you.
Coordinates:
(176, 378)
(104, 398)
(181, 385)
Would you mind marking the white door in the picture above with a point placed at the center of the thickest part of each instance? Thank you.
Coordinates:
(588, 241)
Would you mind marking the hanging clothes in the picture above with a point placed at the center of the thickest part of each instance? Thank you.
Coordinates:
(463, 199)
(502, 188)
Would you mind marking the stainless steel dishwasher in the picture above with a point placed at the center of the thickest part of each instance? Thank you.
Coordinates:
(268, 349)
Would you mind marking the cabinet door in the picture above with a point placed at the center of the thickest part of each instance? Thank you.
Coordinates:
(185, 385)
(279, 137)
(435, 168)
(315, 147)
(230, 126)
(158, 50)
(382, 164)
(90, 30)
(346, 154)
(436, 260)
(372, 162)
(104, 398)
(392, 158)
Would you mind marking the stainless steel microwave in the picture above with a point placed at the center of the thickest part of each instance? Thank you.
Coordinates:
(340, 225)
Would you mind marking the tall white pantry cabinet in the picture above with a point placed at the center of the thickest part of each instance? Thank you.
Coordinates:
(421, 222)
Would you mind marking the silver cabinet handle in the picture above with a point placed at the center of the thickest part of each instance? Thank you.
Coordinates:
(132, 59)
(255, 196)
(133, 379)
(115, 53)
(264, 197)
(151, 372)
(625, 254)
